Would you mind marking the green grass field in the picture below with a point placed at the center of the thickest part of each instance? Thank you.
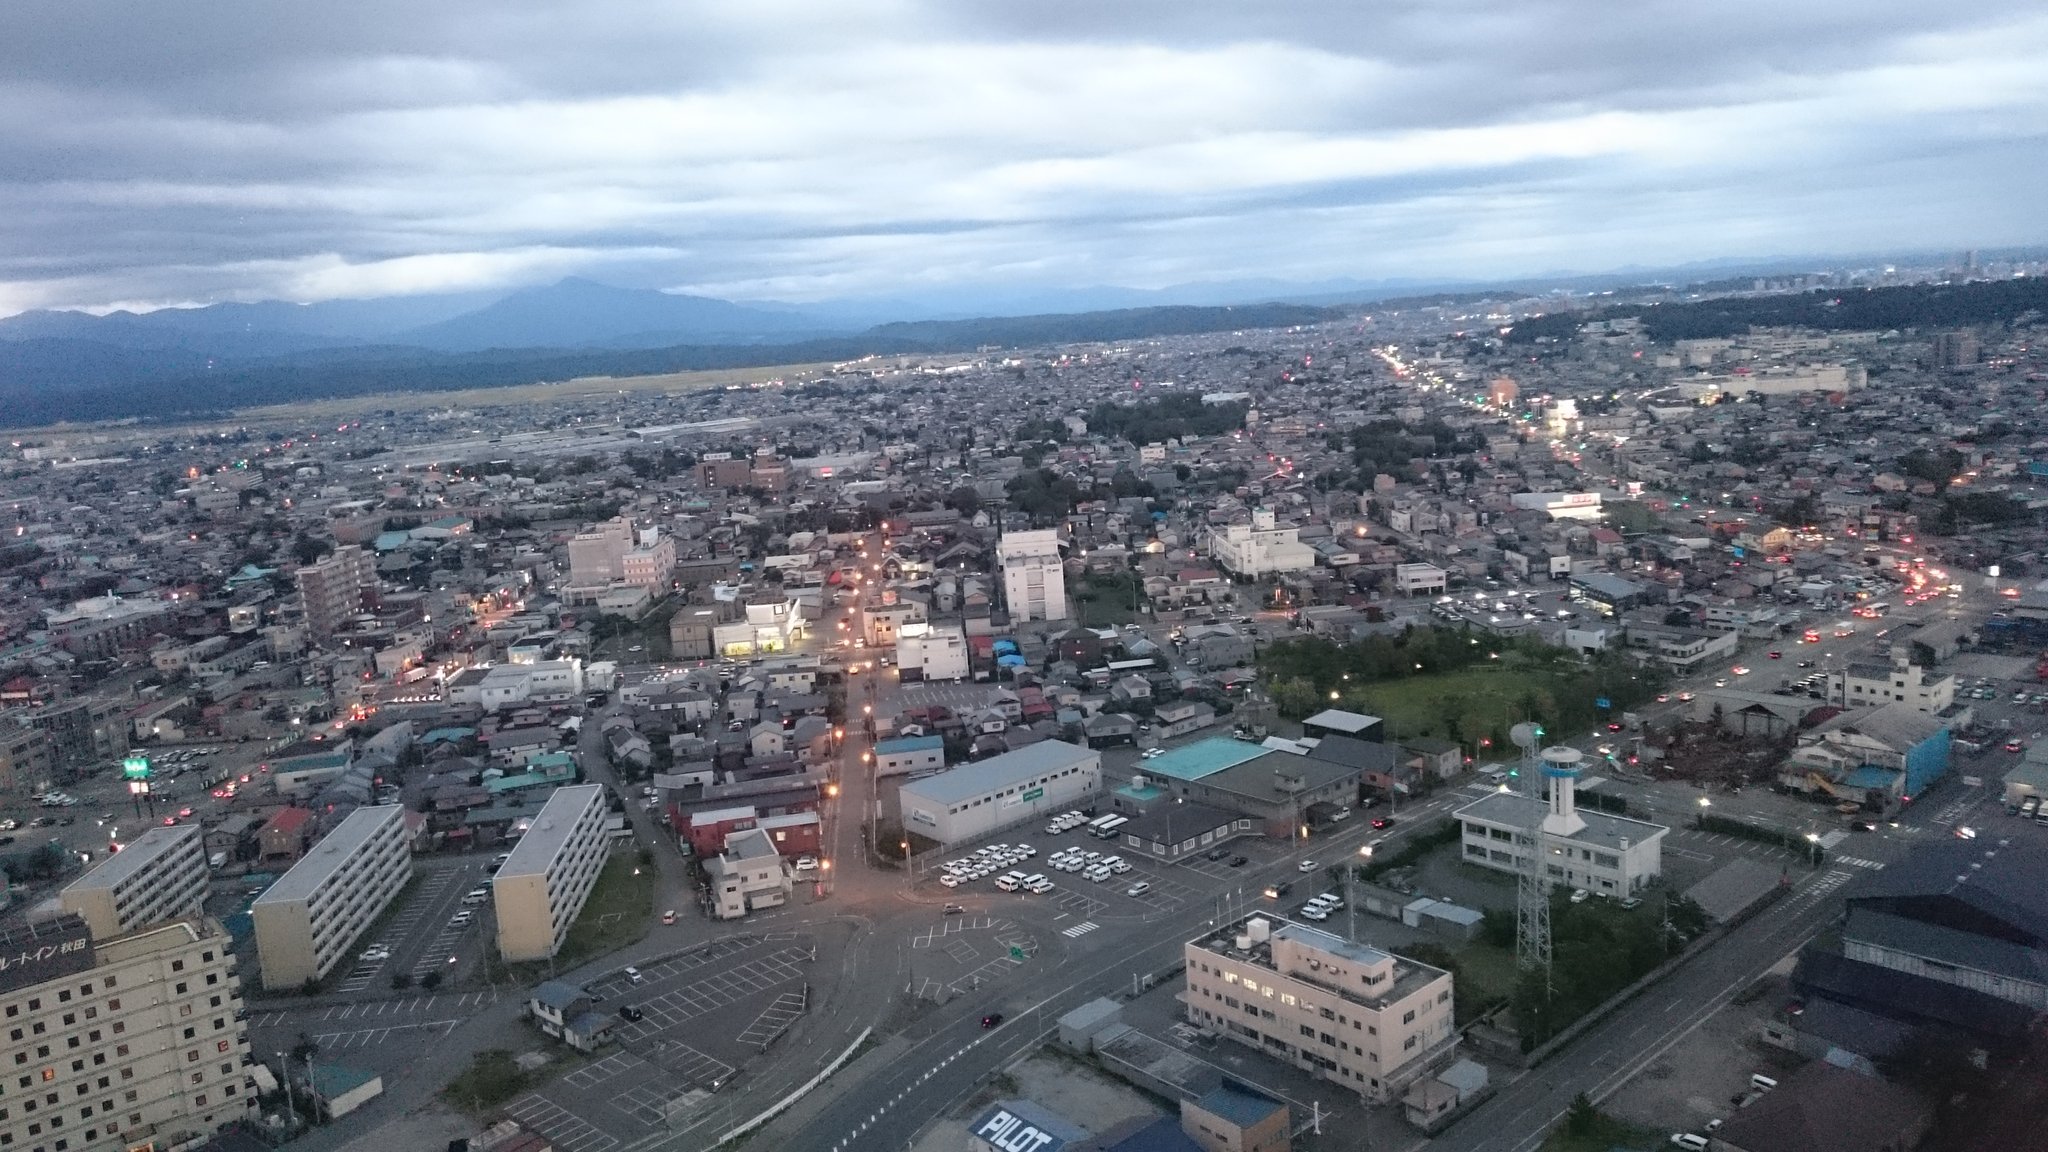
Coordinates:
(619, 912)
(1475, 704)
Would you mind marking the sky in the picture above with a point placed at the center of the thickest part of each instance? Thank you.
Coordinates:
(800, 150)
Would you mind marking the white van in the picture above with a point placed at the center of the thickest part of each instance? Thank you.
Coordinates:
(476, 896)
(1761, 1082)
(1006, 884)
(217, 861)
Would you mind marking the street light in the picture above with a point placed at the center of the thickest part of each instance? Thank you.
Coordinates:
(1705, 804)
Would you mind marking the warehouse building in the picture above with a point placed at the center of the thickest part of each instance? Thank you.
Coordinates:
(147, 1050)
(160, 876)
(542, 886)
(309, 919)
(973, 800)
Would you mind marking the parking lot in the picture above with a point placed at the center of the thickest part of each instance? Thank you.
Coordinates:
(702, 1016)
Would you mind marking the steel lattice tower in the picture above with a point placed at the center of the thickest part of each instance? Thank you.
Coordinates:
(1532, 897)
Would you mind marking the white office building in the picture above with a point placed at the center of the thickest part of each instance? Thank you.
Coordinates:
(1034, 576)
(1420, 579)
(1261, 548)
(1604, 854)
(160, 876)
(974, 800)
(310, 919)
(542, 886)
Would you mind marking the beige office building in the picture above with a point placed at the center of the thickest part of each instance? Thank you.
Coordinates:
(1366, 1019)
(122, 1043)
(549, 875)
(160, 876)
(310, 918)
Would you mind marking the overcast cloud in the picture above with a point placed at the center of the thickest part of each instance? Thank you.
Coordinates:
(246, 149)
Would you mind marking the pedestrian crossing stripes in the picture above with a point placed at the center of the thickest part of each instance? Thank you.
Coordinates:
(1081, 929)
(1860, 862)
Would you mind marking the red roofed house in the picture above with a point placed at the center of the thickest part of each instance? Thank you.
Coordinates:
(285, 835)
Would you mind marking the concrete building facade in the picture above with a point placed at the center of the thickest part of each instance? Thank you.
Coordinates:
(1034, 577)
(1603, 854)
(123, 1043)
(337, 588)
(161, 875)
(1261, 548)
(308, 920)
(1359, 1017)
(541, 888)
(975, 799)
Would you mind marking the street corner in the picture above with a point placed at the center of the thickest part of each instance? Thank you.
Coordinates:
(963, 954)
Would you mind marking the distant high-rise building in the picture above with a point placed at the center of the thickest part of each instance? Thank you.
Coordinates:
(337, 588)
(598, 557)
(1503, 392)
(1034, 576)
(1956, 349)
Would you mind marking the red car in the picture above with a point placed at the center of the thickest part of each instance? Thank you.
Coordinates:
(1613, 727)
(1777, 655)
(1382, 822)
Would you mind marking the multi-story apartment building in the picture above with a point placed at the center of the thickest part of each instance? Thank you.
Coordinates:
(1368, 1020)
(160, 876)
(597, 557)
(1034, 576)
(542, 886)
(337, 588)
(650, 563)
(306, 921)
(121, 1043)
(26, 759)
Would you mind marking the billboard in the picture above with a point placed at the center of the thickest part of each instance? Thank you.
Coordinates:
(33, 953)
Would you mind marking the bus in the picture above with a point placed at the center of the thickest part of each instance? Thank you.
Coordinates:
(1094, 826)
(1107, 830)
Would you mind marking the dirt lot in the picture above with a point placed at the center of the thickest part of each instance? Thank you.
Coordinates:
(1694, 1081)
(1065, 1086)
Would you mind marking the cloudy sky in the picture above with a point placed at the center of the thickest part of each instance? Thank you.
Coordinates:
(247, 149)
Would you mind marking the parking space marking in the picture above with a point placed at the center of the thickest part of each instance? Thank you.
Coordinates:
(1687, 853)
(775, 1018)
(674, 1007)
(369, 1037)
(1081, 929)
(563, 1128)
(686, 1065)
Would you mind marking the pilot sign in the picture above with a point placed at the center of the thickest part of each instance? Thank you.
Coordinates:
(1019, 1126)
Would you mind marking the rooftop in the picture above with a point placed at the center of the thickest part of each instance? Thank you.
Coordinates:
(536, 851)
(145, 850)
(971, 780)
(1202, 758)
(1515, 810)
(1325, 948)
(333, 849)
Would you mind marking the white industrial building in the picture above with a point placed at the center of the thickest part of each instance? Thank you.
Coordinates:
(1034, 576)
(540, 889)
(310, 918)
(1602, 853)
(1261, 548)
(161, 875)
(974, 800)
(1560, 505)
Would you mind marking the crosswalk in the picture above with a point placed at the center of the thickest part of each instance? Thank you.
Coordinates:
(1081, 929)
(1860, 862)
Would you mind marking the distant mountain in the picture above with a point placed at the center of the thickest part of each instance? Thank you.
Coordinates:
(268, 328)
(578, 313)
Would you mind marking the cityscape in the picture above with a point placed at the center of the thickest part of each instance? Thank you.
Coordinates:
(958, 669)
